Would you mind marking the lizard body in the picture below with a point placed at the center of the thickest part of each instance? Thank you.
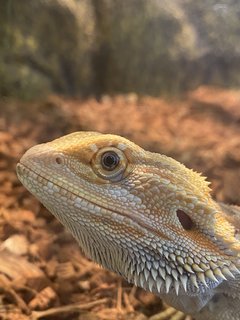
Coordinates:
(144, 216)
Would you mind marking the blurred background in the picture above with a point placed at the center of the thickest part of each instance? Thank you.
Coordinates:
(165, 74)
(95, 47)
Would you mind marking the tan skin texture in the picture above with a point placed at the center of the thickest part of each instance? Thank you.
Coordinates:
(142, 215)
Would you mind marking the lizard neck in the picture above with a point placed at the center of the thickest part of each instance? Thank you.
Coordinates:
(148, 270)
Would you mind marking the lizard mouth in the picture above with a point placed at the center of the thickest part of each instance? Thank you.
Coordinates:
(24, 173)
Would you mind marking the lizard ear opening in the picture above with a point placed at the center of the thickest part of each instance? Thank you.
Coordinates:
(184, 219)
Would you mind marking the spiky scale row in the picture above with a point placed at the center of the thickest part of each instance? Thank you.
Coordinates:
(153, 276)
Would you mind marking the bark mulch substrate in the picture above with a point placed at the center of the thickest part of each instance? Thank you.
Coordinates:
(43, 274)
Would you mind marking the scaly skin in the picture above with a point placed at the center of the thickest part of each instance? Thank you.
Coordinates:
(144, 216)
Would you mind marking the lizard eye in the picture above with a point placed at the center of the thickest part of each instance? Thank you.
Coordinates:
(110, 160)
(110, 163)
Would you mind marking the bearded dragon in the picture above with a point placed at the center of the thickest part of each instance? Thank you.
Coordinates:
(144, 216)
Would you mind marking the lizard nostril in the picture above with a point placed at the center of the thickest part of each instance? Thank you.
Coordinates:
(59, 160)
(184, 219)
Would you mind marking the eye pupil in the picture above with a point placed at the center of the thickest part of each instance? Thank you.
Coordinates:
(110, 160)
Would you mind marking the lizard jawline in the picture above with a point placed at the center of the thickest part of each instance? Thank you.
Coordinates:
(135, 221)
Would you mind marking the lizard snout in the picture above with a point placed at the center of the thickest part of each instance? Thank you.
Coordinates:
(37, 158)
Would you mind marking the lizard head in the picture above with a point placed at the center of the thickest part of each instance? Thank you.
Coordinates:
(140, 214)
